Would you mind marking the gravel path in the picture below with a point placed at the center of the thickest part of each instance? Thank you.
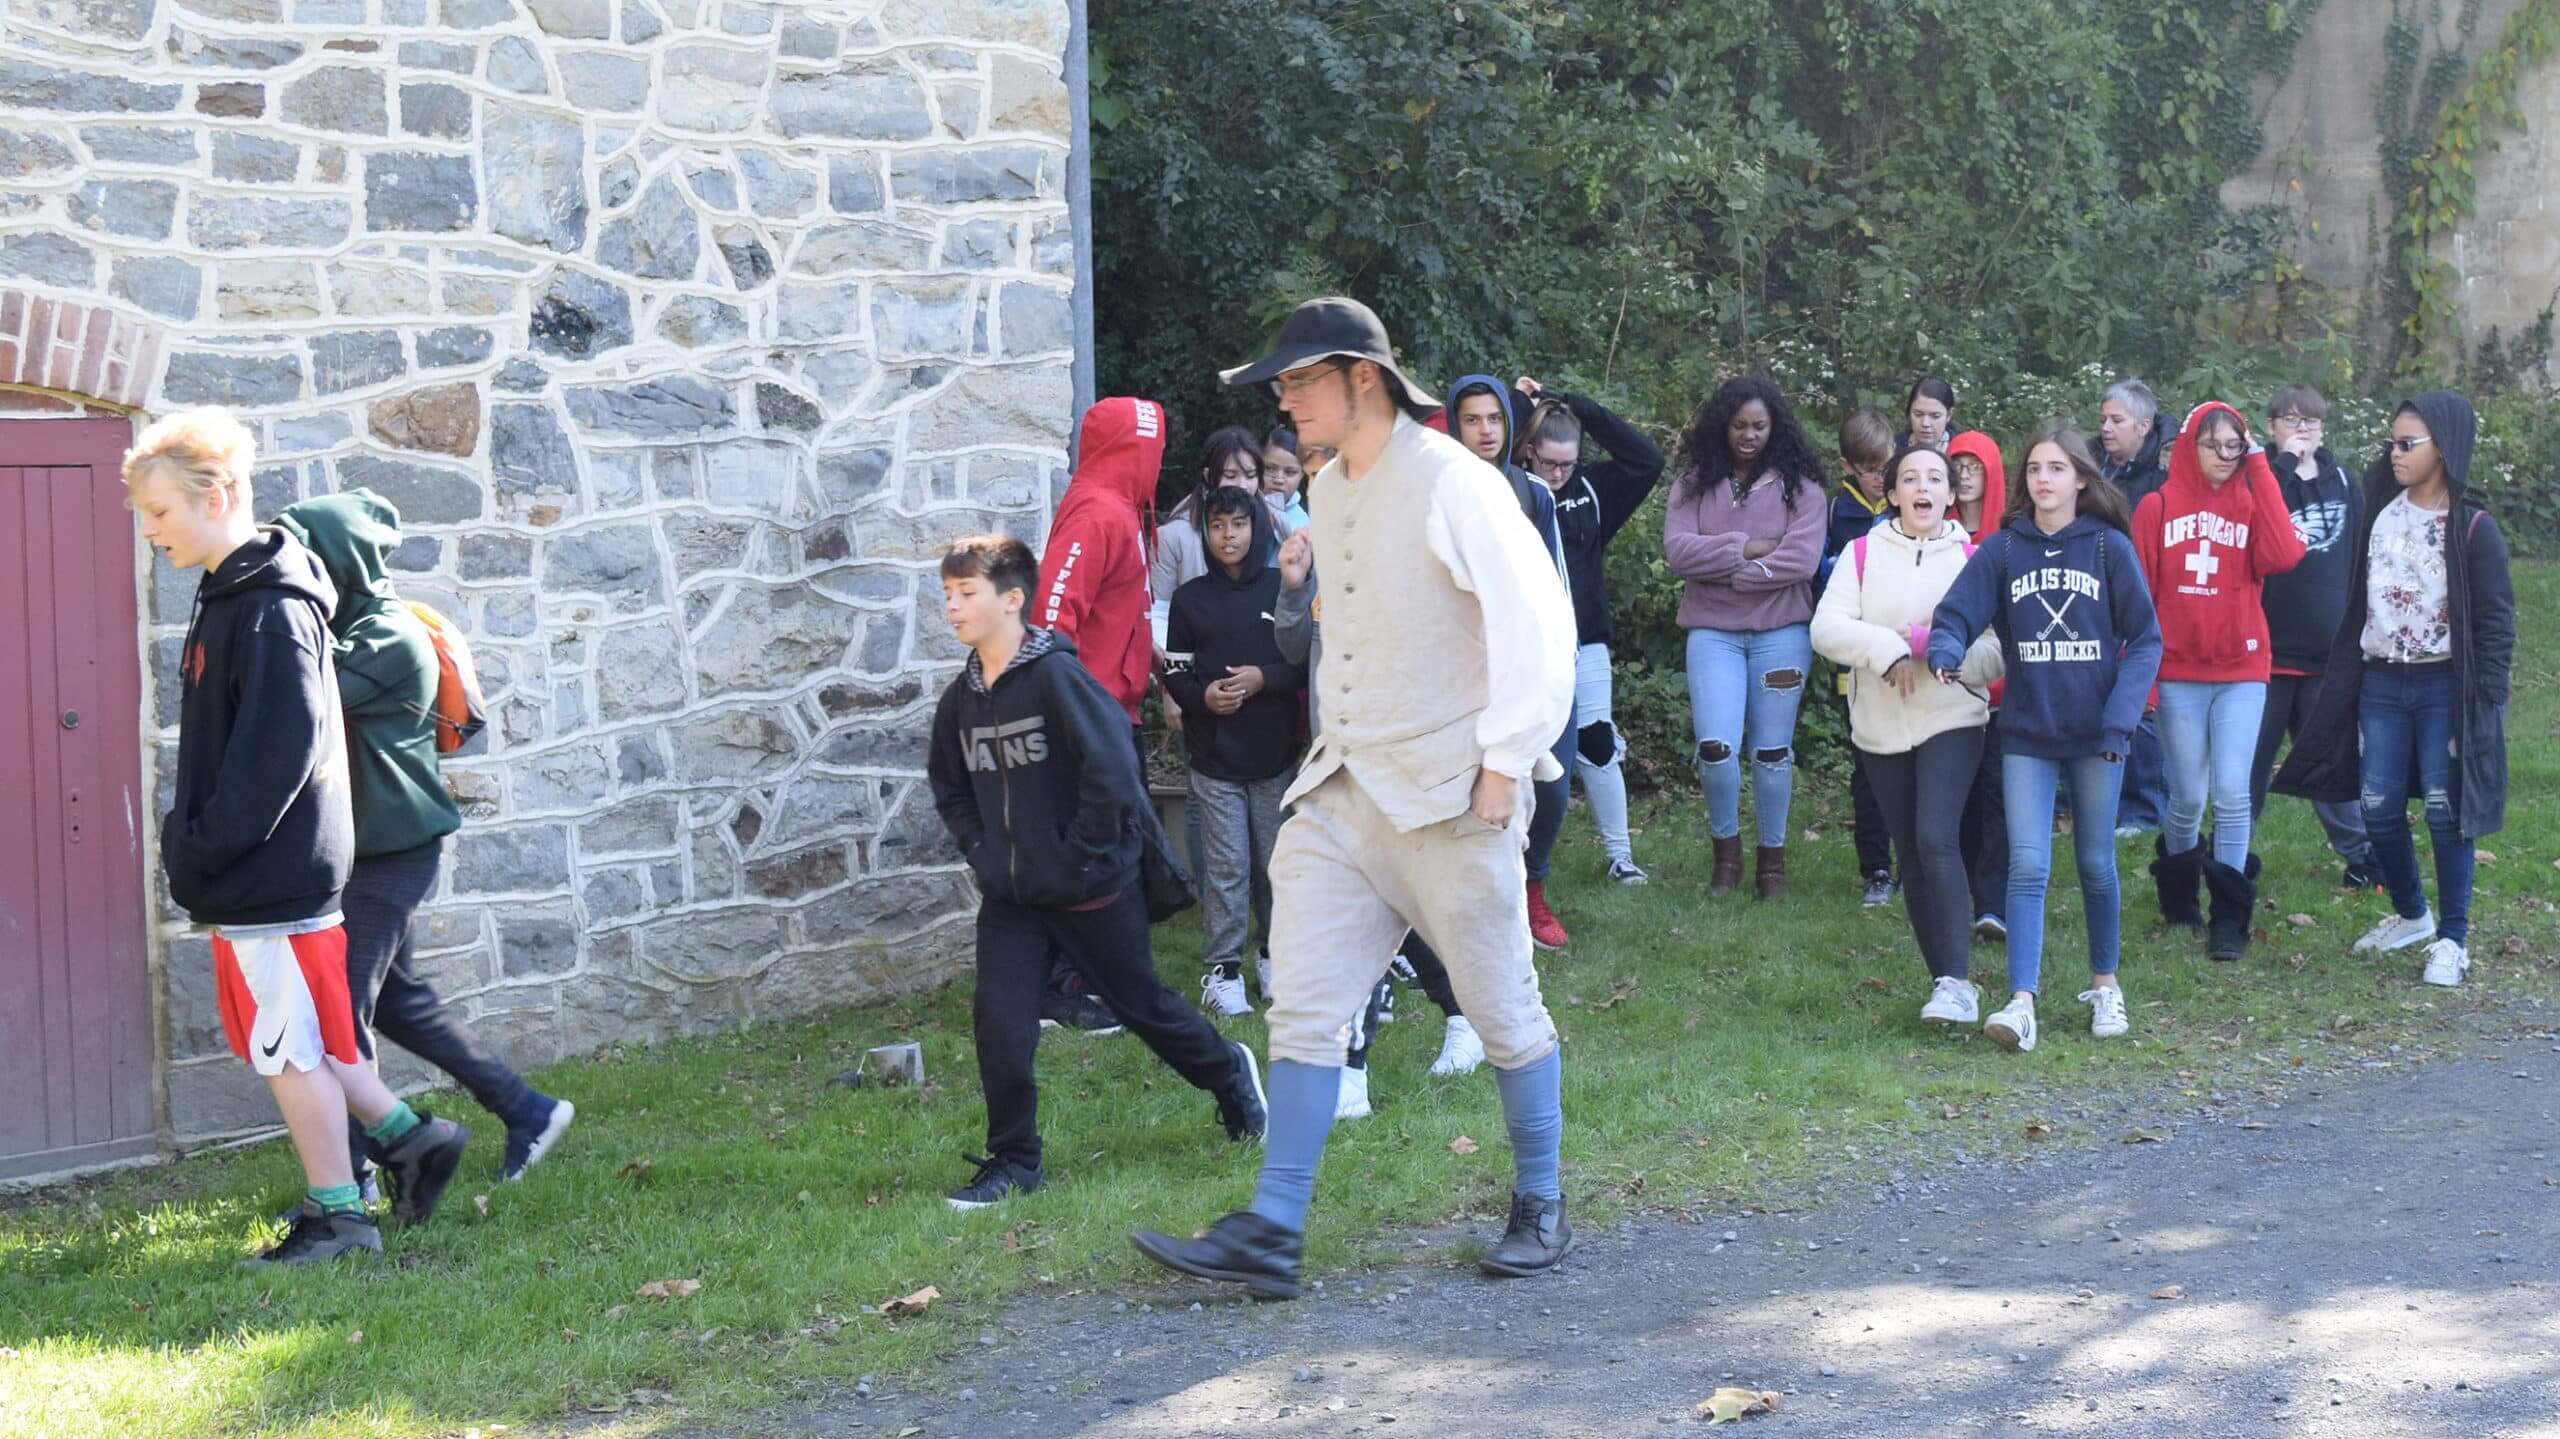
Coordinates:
(2381, 1259)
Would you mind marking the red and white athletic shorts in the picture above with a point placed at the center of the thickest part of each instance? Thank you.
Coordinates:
(284, 999)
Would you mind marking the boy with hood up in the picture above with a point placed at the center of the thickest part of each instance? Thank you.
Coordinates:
(1033, 773)
(1483, 416)
(1239, 698)
(259, 839)
(1096, 593)
(386, 669)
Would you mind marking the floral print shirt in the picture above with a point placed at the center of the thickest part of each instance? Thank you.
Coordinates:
(2408, 611)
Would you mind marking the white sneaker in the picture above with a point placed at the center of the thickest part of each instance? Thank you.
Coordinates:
(1460, 1050)
(2014, 1027)
(1402, 968)
(1223, 994)
(2446, 961)
(1952, 1001)
(2397, 933)
(2106, 1011)
(1353, 1101)
(1625, 871)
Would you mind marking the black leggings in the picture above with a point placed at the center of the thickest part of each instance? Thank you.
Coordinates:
(1922, 793)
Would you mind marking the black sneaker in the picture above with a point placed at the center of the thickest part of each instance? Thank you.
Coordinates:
(318, 1237)
(1242, 1248)
(2363, 877)
(996, 1179)
(1535, 1239)
(531, 1135)
(1079, 1011)
(1879, 890)
(422, 1164)
(1242, 1107)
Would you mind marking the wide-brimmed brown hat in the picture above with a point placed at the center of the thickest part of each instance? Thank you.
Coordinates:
(1335, 327)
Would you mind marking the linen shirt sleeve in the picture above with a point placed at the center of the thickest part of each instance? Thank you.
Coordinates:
(1474, 531)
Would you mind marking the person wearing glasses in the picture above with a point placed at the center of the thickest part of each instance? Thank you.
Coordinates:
(2208, 540)
(1593, 502)
(2431, 630)
(2304, 606)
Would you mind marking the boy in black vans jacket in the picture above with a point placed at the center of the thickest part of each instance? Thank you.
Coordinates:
(1239, 700)
(1033, 773)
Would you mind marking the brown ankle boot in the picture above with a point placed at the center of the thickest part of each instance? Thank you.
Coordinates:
(1728, 872)
(1769, 874)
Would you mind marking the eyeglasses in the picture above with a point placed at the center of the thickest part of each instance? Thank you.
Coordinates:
(2228, 449)
(1553, 467)
(2308, 422)
(1287, 385)
(2405, 443)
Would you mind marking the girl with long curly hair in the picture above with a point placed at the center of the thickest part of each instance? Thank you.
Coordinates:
(1744, 532)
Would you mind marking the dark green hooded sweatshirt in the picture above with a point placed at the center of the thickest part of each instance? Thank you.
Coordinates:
(386, 675)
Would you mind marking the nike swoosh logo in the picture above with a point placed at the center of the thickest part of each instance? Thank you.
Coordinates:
(270, 1049)
(2049, 554)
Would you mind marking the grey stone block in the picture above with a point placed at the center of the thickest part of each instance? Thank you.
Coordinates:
(618, 561)
(252, 160)
(162, 284)
(134, 209)
(671, 407)
(537, 943)
(219, 377)
(868, 100)
(659, 239)
(342, 98)
(698, 322)
(452, 57)
(435, 111)
(854, 186)
(529, 451)
(770, 639)
(718, 88)
(40, 85)
(140, 144)
(515, 859)
(581, 316)
(247, 222)
(49, 258)
(232, 100)
(1035, 320)
(516, 65)
(424, 494)
(610, 84)
(538, 193)
(638, 673)
(454, 345)
(573, 19)
(353, 359)
(981, 174)
(29, 153)
(415, 190)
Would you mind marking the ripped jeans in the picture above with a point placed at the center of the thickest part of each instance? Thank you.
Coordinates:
(2405, 716)
(1744, 689)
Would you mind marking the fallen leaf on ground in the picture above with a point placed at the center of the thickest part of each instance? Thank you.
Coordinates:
(480, 1202)
(915, 1303)
(356, 1338)
(2144, 1136)
(633, 1170)
(1013, 1242)
(1728, 1404)
(2170, 1291)
(2300, 921)
(669, 1288)
(1876, 984)
(1463, 1145)
(1618, 993)
(2039, 1130)
(2484, 856)
(1949, 1111)
(2514, 944)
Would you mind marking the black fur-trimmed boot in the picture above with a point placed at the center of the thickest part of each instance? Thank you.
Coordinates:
(2235, 905)
(2177, 877)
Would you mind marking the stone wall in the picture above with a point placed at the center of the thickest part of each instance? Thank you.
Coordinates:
(2323, 161)
(682, 333)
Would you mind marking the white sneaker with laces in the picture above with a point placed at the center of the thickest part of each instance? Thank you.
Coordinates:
(2446, 962)
(1952, 1001)
(2014, 1027)
(1353, 1100)
(2106, 1011)
(1402, 968)
(2397, 933)
(1223, 994)
(1460, 1049)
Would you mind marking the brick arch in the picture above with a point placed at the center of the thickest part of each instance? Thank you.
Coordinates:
(89, 354)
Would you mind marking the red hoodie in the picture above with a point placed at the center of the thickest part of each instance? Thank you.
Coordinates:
(2207, 553)
(1093, 577)
(1995, 481)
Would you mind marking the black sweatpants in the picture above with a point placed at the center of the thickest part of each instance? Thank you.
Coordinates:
(1986, 829)
(381, 899)
(1922, 793)
(1107, 948)
(1866, 823)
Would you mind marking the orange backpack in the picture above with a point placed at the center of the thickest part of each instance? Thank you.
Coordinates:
(460, 712)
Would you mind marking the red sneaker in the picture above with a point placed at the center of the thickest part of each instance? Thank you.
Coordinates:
(1545, 930)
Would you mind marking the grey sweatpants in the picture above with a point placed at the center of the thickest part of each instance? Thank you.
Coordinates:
(1239, 820)
(1349, 884)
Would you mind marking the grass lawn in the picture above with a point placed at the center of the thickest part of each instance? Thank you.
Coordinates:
(1721, 1056)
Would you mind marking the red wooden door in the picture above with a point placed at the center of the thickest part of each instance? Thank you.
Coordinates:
(76, 1044)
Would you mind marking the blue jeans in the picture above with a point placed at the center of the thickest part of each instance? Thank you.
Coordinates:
(1744, 687)
(2028, 783)
(2209, 733)
(2146, 787)
(2405, 718)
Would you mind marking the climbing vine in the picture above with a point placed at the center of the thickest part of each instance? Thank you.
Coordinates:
(2441, 185)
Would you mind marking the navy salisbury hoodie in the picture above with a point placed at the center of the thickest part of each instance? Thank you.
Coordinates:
(2076, 628)
(261, 832)
(1034, 775)
(1220, 620)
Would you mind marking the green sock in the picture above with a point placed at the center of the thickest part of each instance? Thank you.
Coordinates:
(336, 1198)
(394, 1126)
